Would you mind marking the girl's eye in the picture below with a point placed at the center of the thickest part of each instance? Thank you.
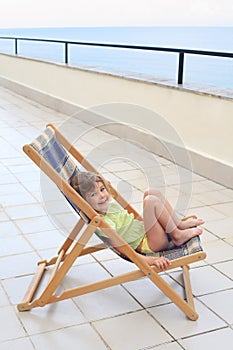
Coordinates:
(90, 195)
(102, 189)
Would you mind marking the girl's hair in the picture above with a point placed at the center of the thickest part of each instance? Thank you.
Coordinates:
(84, 182)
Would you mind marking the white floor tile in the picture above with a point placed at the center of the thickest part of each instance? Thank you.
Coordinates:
(19, 344)
(229, 240)
(119, 266)
(225, 208)
(25, 211)
(84, 274)
(35, 224)
(18, 265)
(3, 215)
(14, 245)
(11, 327)
(221, 303)
(7, 151)
(47, 254)
(222, 338)
(222, 228)
(28, 176)
(212, 186)
(218, 251)
(207, 214)
(3, 297)
(179, 326)
(8, 179)
(16, 288)
(148, 294)
(207, 236)
(226, 268)
(106, 303)
(51, 317)
(46, 239)
(206, 280)
(8, 229)
(105, 254)
(126, 333)
(215, 197)
(79, 337)
(65, 222)
(32, 186)
(12, 188)
(22, 167)
(17, 199)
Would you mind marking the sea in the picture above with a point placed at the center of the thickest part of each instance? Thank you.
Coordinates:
(204, 71)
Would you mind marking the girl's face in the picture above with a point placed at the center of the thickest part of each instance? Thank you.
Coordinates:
(98, 198)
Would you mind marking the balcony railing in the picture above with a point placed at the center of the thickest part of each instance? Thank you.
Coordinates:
(180, 52)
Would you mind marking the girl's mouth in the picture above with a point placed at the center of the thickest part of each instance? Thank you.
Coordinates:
(104, 202)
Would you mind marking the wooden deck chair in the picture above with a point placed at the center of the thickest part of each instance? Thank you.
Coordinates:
(58, 159)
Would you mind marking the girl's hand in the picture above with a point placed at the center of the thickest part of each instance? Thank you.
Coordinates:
(161, 263)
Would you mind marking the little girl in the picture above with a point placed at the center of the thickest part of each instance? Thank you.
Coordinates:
(147, 236)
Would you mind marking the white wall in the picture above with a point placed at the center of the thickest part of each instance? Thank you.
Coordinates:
(203, 122)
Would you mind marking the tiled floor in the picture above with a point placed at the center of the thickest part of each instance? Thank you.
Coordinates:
(34, 219)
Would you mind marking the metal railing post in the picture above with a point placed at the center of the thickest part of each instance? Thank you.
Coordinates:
(66, 53)
(16, 46)
(181, 68)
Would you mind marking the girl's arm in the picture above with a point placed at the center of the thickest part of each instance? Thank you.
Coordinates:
(160, 262)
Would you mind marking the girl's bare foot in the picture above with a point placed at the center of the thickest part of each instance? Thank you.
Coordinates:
(179, 237)
(189, 223)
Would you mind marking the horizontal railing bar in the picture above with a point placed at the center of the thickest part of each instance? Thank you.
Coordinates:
(133, 47)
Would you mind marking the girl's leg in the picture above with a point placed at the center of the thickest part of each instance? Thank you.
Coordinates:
(155, 232)
(191, 222)
(165, 203)
(158, 220)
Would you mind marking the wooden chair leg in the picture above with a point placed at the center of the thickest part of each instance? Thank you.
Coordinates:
(187, 286)
(32, 287)
(58, 273)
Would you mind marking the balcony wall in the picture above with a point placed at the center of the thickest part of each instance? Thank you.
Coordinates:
(179, 118)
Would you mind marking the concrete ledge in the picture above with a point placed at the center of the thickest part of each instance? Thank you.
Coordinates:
(200, 163)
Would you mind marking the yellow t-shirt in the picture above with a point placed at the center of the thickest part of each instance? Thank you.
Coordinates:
(128, 228)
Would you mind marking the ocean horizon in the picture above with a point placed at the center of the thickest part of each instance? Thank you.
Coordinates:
(202, 70)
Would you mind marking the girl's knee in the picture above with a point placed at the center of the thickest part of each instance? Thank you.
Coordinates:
(150, 200)
(153, 192)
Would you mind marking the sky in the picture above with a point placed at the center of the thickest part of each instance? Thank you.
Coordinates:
(98, 13)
